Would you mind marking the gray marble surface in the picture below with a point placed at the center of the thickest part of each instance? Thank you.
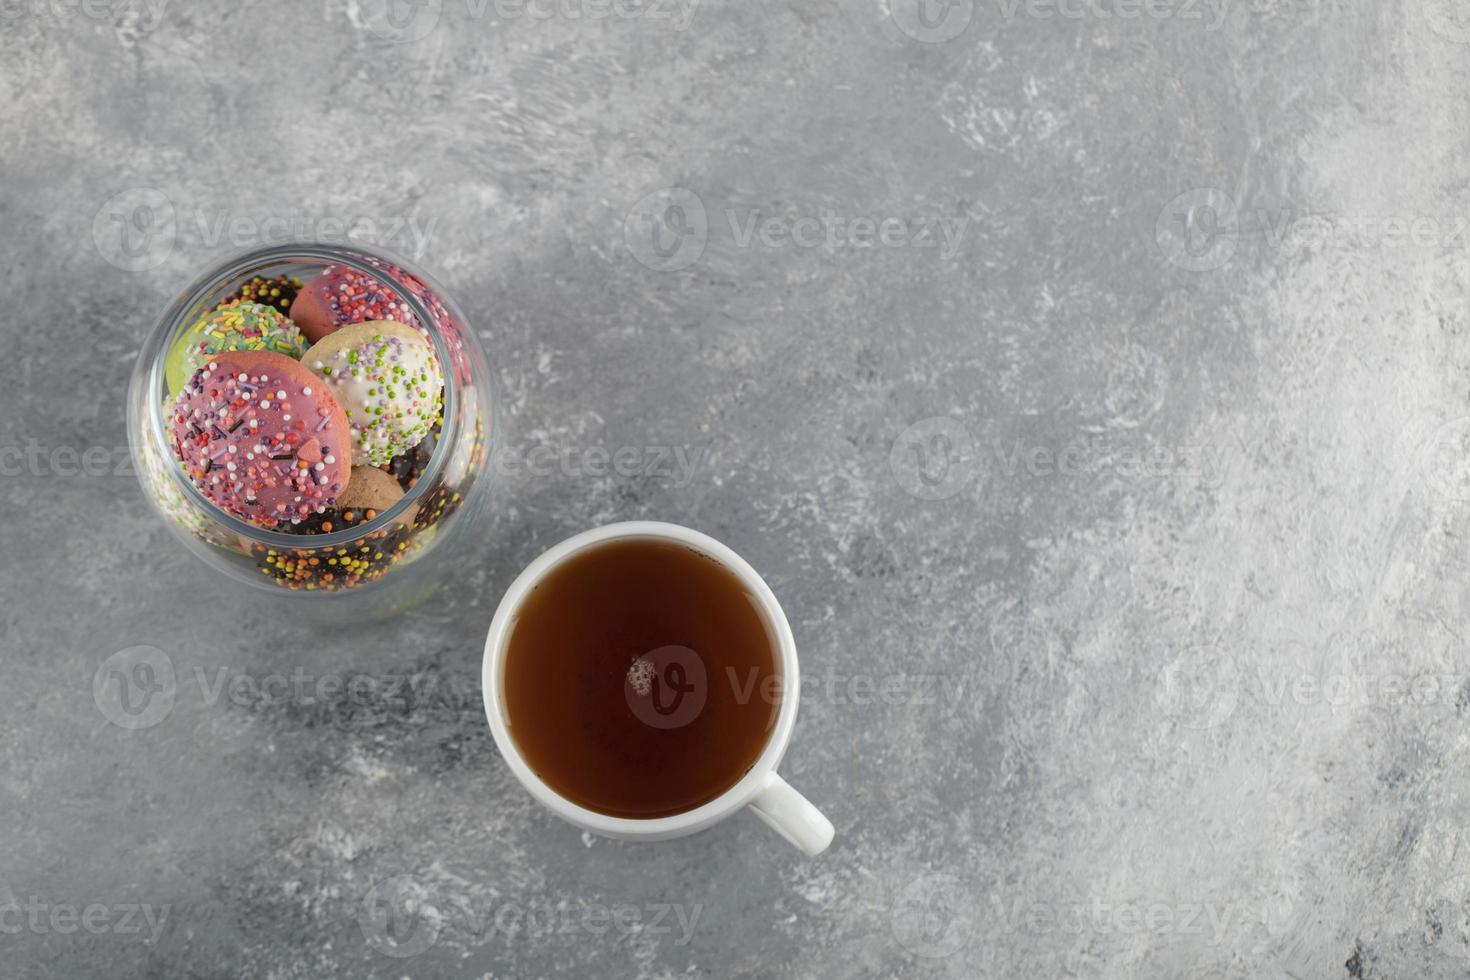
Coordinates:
(1088, 379)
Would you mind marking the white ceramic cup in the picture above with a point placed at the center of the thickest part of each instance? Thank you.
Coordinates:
(770, 796)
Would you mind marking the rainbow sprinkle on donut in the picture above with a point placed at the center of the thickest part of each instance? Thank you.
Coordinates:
(239, 326)
(262, 438)
(388, 381)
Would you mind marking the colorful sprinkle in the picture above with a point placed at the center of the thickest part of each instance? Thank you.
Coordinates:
(274, 480)
(387, 379)
(240, 326)
(278, 292)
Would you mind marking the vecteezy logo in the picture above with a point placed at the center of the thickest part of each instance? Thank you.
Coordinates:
(1198, 229)
(933, 458)
(1444, 460)
(1200, 688)
(396, 920)
(667, 687)
(930, 917)
(134, 230)
(667, 230)
(135, 688)
(932, 21)
(401, 21)
(1450, 19)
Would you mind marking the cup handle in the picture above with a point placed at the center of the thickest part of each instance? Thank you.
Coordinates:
(792, 816)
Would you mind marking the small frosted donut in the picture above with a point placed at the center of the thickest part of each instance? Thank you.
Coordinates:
(279, 292)
(339, 297)
(388, 381)
(238, 326)
(262, 437)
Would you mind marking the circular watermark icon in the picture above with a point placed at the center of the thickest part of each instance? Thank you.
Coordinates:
(1279, 910)
(400, 21)
(135, 230)
(1450, 19)
(1015, 643)
(932, 21)
(1447, 918)
(397, 920)
(1137, 384)
(667, 687)
(1200, 688)
(1444, 460)
(1198, 229)
(667, 229)
(135, 688)
(933, 459)
(930, 918)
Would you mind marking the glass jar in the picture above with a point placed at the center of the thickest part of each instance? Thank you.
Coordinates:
(389, 558)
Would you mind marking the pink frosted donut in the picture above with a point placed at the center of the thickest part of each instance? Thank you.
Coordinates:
(341, 296)
(262, 437)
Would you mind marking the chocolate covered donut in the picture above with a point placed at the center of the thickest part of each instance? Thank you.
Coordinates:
(279, 292)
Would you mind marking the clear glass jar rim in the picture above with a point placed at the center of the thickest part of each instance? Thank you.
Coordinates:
(234, 268)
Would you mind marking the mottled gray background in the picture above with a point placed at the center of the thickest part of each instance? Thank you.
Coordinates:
(1123, 529)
